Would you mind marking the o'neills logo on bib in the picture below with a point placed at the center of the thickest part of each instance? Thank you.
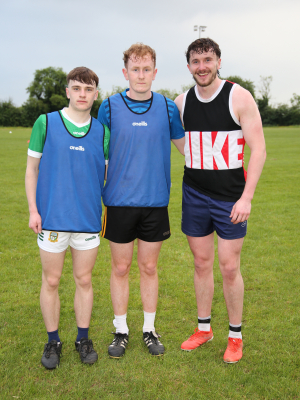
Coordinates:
(214, 150)
(143, 123)
(77, 148)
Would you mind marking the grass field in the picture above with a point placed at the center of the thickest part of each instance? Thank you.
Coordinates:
(270, 368)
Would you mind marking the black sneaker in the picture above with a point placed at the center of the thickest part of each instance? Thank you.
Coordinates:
(155, 347)
(86, 351)
(51, 355)
(118, 345)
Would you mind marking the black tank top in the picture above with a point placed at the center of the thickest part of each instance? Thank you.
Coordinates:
(214, 149)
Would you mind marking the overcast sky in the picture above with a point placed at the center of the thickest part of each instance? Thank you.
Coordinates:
(257, 38)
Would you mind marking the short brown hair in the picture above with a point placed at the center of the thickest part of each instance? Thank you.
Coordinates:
(203, 46)
(83, 75)
(139, 50)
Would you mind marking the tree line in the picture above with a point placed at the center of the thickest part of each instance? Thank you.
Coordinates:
(47, 93)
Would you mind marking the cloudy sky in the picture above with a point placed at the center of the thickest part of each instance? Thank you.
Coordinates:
(257, 38)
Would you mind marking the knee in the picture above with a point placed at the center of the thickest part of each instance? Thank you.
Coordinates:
(230, 270)
(51, 282)
(148, 269)
(84, 281)
(121, 270)
(203, 264)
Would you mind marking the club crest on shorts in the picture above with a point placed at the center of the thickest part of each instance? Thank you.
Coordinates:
(53, 237)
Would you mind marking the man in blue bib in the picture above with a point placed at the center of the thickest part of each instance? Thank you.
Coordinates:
(64, 181)
(136, 194)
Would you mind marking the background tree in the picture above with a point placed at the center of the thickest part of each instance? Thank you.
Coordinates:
(49, 86)
(115, 90)
(10, 115)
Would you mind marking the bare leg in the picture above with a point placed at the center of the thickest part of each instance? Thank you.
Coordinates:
(52, 266)
(233, 285)
(83, 264)
(148, 253)
(203, 251)
(121, 257)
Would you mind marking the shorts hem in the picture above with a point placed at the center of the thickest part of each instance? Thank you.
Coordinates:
(86, 248)
(195, 234)
(154, 241)
(53, 250)
(232, 237)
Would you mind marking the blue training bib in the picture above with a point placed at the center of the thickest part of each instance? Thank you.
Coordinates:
(71, 178)
(139, 155)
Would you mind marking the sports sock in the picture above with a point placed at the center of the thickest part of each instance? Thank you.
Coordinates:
(82, 333)
(149, 318)
(120, 324)
(235, 331)
(204, 324)
(53, 336)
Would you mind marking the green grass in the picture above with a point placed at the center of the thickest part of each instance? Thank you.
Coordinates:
(270, 368)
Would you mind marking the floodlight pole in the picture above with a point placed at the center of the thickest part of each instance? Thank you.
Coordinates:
(201, 29)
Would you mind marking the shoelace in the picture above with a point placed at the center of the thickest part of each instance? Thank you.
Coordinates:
(153, 338)
(119, 337)
(52, 348)
(234, 345)
(195, 333)
(86, 347)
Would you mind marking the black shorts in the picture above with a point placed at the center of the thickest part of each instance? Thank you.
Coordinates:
(125, 224)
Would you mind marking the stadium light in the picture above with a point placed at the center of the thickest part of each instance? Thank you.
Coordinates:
(201, 29)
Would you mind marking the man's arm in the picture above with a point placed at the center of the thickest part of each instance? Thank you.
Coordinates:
(246, 110)
(177, 132)
(31, 177)
(179, 143)
(178, 101)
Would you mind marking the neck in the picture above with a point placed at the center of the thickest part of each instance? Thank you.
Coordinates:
(207, 91)
(138, 96)
(77, 116)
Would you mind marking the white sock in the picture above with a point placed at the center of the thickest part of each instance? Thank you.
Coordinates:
(120, 324)
(233, 334)
(204, 324)
(149, 319)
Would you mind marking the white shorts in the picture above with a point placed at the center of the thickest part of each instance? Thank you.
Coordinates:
(57, 242)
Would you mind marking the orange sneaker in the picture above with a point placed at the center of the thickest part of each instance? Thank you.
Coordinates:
(234, 351)
(197, 339)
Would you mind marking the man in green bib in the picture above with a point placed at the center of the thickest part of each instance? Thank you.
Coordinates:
(64, 181)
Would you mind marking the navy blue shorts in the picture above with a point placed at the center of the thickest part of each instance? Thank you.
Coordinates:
(202, 215)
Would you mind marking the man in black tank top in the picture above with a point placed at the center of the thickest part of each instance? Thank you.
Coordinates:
(219, 118)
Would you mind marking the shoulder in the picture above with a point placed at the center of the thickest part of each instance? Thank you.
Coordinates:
(40, 122)
(97, 122)
(242, 100)
(241, 95)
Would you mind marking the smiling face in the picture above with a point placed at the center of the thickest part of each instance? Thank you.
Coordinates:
(204, 67)
(140, 72)
(81, 95)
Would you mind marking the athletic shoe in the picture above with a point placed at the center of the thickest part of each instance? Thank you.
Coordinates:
(51, 355)
(234, 351)
(155, 347)
(118, 345)
(197, 339)
(86, 351)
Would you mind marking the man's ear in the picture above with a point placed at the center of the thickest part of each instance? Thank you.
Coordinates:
(125, 73)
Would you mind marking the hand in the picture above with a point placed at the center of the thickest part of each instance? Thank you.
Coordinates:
(240, 211)
(35, 222)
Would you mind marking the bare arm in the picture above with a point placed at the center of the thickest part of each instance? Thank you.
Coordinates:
(178, 101)
(247, 112)
(31, 177)
(179, 143)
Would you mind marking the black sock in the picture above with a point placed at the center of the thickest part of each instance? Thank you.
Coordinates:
(53, 336)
